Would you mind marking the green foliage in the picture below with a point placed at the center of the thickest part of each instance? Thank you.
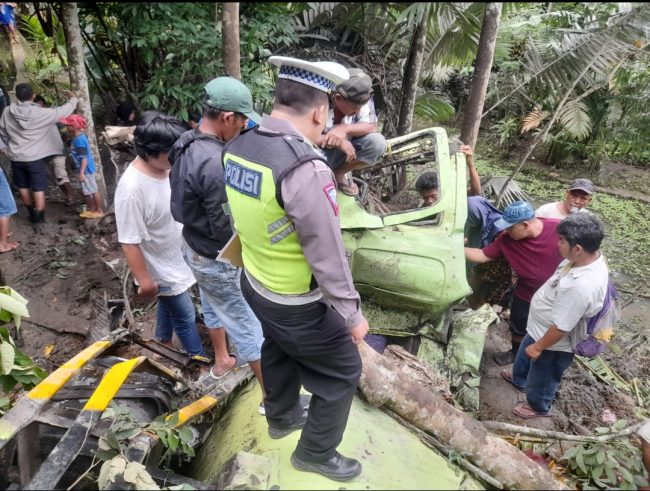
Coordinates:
(16, 368)
(161, 55)
(433, 107)
(125, 426)
(594, 53)
(506, 128)
(612, 464)
(45, 67)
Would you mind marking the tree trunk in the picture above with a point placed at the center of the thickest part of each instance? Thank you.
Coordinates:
(412, 75)
(383, 382)
(230, 34)
(482, 68)
(79, 82)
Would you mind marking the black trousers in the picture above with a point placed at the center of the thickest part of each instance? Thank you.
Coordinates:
(306, 345)
(519, 316)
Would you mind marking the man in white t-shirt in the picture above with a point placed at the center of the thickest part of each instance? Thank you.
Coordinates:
(351, 139)
(150, 237)
(576, 199)
(576, 291)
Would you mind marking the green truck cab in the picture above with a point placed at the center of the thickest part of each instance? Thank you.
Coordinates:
(412, 260)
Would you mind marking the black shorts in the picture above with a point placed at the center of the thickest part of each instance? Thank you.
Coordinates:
(519, 316)
(30, 175)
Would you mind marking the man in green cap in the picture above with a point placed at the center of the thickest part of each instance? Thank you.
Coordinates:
(197, 201)
(351, 140)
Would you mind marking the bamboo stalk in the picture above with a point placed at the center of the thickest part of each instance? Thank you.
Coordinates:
(556, 435)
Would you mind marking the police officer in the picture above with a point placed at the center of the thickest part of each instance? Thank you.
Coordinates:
(282, 197)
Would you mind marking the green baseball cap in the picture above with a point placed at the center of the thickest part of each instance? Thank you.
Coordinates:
(229, 94)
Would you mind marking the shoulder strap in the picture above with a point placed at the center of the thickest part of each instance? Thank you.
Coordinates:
(300, 161)
(226, 147)
(194, 138)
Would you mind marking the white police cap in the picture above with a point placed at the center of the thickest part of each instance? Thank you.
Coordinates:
(322, 75)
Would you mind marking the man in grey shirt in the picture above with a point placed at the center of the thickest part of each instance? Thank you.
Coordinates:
(32, 138)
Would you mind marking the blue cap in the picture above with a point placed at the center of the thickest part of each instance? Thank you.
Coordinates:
(519, 211)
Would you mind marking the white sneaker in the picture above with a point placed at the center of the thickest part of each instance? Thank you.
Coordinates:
(261, 409)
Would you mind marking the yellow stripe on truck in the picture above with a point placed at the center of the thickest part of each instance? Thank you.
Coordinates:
(193, 410)
(57, 379)
(111, 383)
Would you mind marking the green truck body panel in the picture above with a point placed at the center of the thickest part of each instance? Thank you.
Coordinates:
(392, 456)
(412, 260)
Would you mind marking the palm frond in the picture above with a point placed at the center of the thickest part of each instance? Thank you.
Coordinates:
(437, 74)
(313, 15)
(555, 61)
(574, 118)
(453, 34)
(533, 119)
(434, 107)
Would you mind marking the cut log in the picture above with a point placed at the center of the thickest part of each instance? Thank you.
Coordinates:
(118, 134)
(384, 383)
(419, 371)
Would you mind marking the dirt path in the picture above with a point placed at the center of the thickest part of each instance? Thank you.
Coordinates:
(55, 267)
(20, 51)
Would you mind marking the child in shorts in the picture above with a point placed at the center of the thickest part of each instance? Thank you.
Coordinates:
(84, 164)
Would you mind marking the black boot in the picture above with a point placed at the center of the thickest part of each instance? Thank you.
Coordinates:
(38, 216)
(337, 468)
(30, 211)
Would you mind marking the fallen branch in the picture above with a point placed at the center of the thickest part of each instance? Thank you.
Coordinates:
(51, 328)
(384, 383)
(556, 435)
(431, 441)
(125, 298)
(27, 273)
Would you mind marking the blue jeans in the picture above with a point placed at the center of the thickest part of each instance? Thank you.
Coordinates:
(176, 313)
(224, 305)
(540, 378)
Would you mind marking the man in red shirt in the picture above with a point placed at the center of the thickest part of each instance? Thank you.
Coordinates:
(529, 244)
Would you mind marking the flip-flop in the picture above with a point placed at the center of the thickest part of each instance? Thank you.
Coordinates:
(212, 376)
(350, 188)
(524, 411)
(91, 214)
(507, 376)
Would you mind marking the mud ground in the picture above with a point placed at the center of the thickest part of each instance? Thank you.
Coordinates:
(582, 399)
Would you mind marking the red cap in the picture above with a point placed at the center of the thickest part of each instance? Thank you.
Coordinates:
(75, 120)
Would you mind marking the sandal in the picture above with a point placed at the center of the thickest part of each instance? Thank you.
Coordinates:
(91, 214)
(349, 188)
(211, 375)
(507, 376)
(524, 411)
